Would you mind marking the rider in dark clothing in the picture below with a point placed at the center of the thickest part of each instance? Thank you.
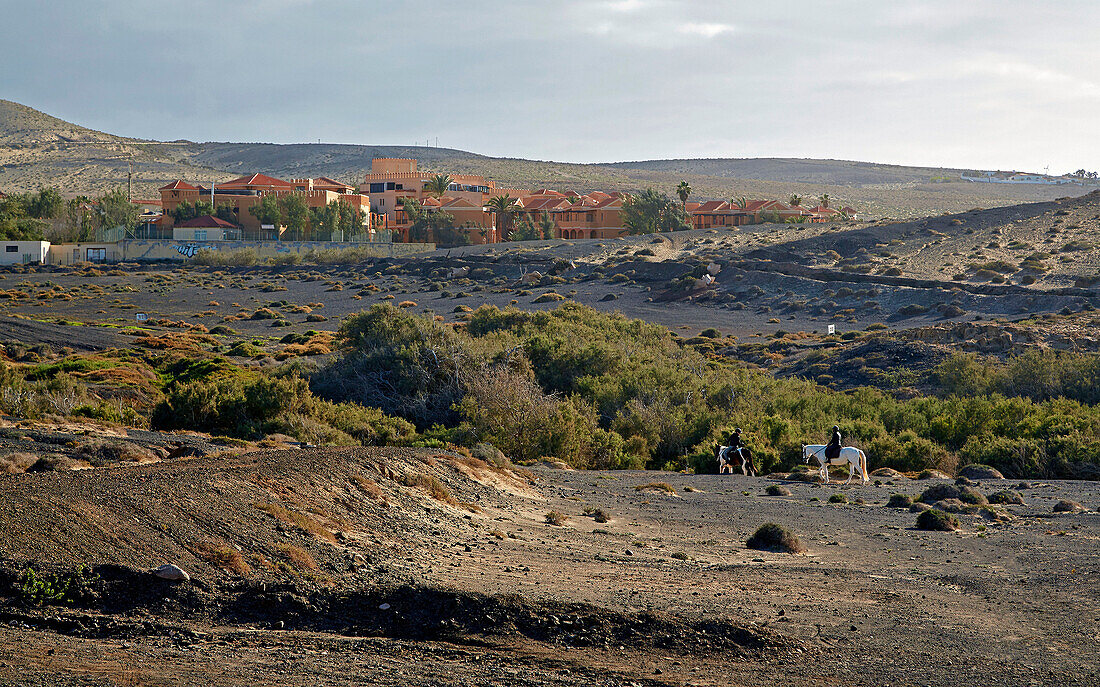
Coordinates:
(735, 439)
(832, 449)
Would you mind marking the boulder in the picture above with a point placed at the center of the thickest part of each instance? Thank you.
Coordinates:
(1067, 506)
(978, 471)
(171, 572)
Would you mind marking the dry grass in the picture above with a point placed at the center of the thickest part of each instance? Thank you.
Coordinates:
(223, 556)
(298, 557)
(556, 518)
(18, 462)
(371, 489)
(656, 486)
(299, 520)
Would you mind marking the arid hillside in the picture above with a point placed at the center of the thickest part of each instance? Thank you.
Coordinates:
(39, 150)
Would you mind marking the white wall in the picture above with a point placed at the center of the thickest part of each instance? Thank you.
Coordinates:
(20, 252)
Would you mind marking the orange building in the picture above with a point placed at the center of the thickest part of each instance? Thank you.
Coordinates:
(246, 192)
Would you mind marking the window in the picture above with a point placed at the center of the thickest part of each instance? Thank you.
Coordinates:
(200, 234)
(11, 249)
(97, 255)
(377, 188)
(390, 186)
(400, 187)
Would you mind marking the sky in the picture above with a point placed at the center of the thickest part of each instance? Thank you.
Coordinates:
(990, 84)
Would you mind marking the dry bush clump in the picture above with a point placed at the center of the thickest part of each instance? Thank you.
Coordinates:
(776, 490)
(937, 521)
(556, 518)
(900, 501)
(1067, 506)
(1006, 496)
(223, 556)
(939, 492)
(371, 489)
(298, 557)
(775, 538)
(597, 514)
(98, 452)
(15, 463)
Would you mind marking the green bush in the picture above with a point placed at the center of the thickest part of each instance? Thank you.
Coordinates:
(937, 521)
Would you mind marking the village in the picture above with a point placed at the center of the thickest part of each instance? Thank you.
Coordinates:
(396, 203)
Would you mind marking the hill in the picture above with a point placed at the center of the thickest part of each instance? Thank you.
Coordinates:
(37, 149)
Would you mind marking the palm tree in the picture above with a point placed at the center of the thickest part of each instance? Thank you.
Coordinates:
(740, 202)
(795, 200)
(502, 207)
(683, 190)
(824, 199)
(438, 184)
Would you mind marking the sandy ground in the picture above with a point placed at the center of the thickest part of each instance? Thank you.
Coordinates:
(873, 601)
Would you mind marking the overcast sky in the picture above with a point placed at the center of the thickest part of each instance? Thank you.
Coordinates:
(1012, 84)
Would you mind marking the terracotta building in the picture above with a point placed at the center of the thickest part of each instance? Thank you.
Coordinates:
(246, 192)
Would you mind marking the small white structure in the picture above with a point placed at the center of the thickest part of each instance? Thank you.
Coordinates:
(24, 252)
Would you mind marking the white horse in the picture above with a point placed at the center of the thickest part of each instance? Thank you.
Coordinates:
(855, 459)
(727, 456)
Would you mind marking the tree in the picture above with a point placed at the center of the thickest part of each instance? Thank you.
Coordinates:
(46, 204)
(349, 219)
(740, 202)
(824, 200)
(683, 191)
(115, 209)
(546, 226)
(652, 212)
(267, 211)
(185, 210)
(438, 185)
(226, 213)
(502, 207)
(427, 225)
(296, 215)
(795, 200)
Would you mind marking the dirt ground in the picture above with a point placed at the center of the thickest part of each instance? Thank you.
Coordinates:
(480, 589)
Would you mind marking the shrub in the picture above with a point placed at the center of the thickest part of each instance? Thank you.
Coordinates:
(222, 556)
(1067, 506)
(937, 520)
(773, 537)
(972, 496)
(838, 498)
(1006, 496)
(939, 492)
(899, 501)
(776, 490)
(556, 518)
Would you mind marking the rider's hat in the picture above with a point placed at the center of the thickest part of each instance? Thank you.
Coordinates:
(737, 431)
(836, 428)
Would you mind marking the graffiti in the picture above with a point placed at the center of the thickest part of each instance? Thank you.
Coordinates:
(188, 250)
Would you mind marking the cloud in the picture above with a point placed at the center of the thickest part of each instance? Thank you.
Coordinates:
(704, 29)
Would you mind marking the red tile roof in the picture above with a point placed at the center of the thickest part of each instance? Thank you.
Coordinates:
(206, 222)
(178, 185)
(261, 180)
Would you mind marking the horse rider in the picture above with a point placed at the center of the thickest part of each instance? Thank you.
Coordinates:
(832, 449)
(735, 441)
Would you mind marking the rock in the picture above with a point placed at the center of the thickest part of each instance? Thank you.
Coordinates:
(384, 607)
(978, 471)
(171, 572)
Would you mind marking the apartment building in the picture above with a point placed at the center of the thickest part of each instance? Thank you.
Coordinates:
(246, 192)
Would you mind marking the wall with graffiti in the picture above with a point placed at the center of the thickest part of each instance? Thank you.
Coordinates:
(167, 249)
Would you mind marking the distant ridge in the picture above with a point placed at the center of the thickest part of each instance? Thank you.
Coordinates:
(22, 125)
